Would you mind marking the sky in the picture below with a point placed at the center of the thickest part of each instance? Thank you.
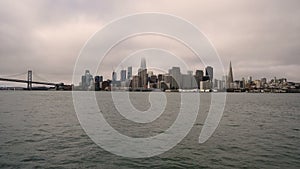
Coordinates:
(260, 37)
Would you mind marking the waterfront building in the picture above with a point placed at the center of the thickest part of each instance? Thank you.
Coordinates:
(263, 82)
(230, 83)
(135, 82)
(86, 80)
(244, 83)
(114, 76)
(257, 84)
(159, 77)
(188, 81)
(106, 85)
(198, 77)
(129, 72)
(123, 75)
(250, 79)
(153, 79)
(143, 78)
(204, 85)
(142, 73)
(176, 80)
(97, 83)
(209, 71)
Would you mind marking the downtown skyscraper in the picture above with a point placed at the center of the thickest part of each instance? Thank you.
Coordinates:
(230, 77)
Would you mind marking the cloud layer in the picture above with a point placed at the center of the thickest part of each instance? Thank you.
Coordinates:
(261, 38)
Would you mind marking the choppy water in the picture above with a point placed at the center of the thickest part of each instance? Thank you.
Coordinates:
(41, 130)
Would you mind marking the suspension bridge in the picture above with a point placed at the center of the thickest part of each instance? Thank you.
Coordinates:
(29, 81)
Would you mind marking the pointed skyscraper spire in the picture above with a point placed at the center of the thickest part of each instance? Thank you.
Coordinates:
(230, 76)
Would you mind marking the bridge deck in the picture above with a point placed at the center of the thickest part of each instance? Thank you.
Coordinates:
(26, 81)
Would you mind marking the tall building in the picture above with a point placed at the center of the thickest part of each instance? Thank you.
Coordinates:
(142, 73)
(198, 77)
(209, 71)
(230, 77)
(199, 74)
(129, 72)
(123, 75)
(135, 82)
(86, 80)
(97, 83)
(176, 81)
(114, 76)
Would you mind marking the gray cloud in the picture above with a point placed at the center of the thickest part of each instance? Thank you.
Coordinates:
(261, 38)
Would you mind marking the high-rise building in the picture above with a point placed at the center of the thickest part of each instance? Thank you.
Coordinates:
(198, 77)
(135, 82)
(129, 72)
(230, 77)
(142, 73)
(97, 83)
(114, 76)
(176, 81)
(123, 75)
(209, 71)
(199, 73)
(86, 80)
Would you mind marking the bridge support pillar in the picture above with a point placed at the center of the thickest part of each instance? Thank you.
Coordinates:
(29, 80)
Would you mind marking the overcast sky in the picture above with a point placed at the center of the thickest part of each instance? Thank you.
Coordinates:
(260, 37)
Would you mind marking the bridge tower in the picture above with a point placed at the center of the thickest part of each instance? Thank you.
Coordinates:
(29, 80)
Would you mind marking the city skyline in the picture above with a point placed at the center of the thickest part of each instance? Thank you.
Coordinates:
(206, 73)
(260, 39)
(202, 80)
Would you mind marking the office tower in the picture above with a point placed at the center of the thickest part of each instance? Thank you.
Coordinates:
(199, 74)
(83, 82)
(142, 73)
(97, 83)
(187, 81)
(209, 71)
(244, 83)
(135, 82)
(86, 80)
(114, 76)
(176, 80)
(123, 75)
(129, 73)
(198, 77)
(230, 77)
